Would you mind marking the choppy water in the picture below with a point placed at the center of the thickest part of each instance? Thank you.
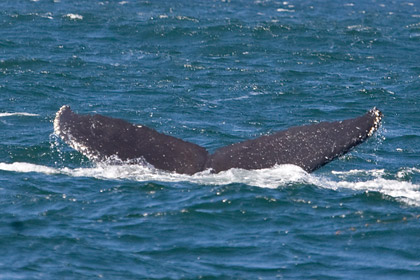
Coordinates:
(213, 73)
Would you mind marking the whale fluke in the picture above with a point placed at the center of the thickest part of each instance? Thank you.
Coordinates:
(102, 138)
(308, 146)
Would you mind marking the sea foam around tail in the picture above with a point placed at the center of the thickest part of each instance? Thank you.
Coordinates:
(279, 176)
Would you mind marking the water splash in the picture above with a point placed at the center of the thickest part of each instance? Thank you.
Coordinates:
(278, 176)
(18, 114)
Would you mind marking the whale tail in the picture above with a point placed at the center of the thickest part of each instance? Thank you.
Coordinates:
(310, 147)
(103, 138)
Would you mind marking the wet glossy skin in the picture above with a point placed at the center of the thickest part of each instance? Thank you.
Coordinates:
(310, 146)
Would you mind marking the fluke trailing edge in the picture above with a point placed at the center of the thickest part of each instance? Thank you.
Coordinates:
(310, 146)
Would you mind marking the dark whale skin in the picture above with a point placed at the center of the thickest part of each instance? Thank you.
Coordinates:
(102, 138)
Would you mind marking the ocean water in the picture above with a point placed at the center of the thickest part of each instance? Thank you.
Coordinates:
(211, 72)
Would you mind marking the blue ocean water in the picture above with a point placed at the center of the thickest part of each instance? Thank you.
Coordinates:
(212, 72)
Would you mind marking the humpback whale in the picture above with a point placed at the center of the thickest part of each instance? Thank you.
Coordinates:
(102, 138)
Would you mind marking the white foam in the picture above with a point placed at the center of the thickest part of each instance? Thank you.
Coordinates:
(278, 176)
(407, 171)
(25, 167)
(266, 178)
(18, 114)
(281, 10)
(406, 192)
(359, 28)
(359, 172)
(74, 16)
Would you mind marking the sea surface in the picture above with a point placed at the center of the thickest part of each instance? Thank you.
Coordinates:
(212, 72)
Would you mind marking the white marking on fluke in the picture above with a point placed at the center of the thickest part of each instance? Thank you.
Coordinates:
(57, 130)
(378, 118)
(92, 155)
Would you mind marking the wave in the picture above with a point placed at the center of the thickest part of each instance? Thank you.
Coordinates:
(18, 114)
(278, 176)
(404, 191)
(73, 16)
